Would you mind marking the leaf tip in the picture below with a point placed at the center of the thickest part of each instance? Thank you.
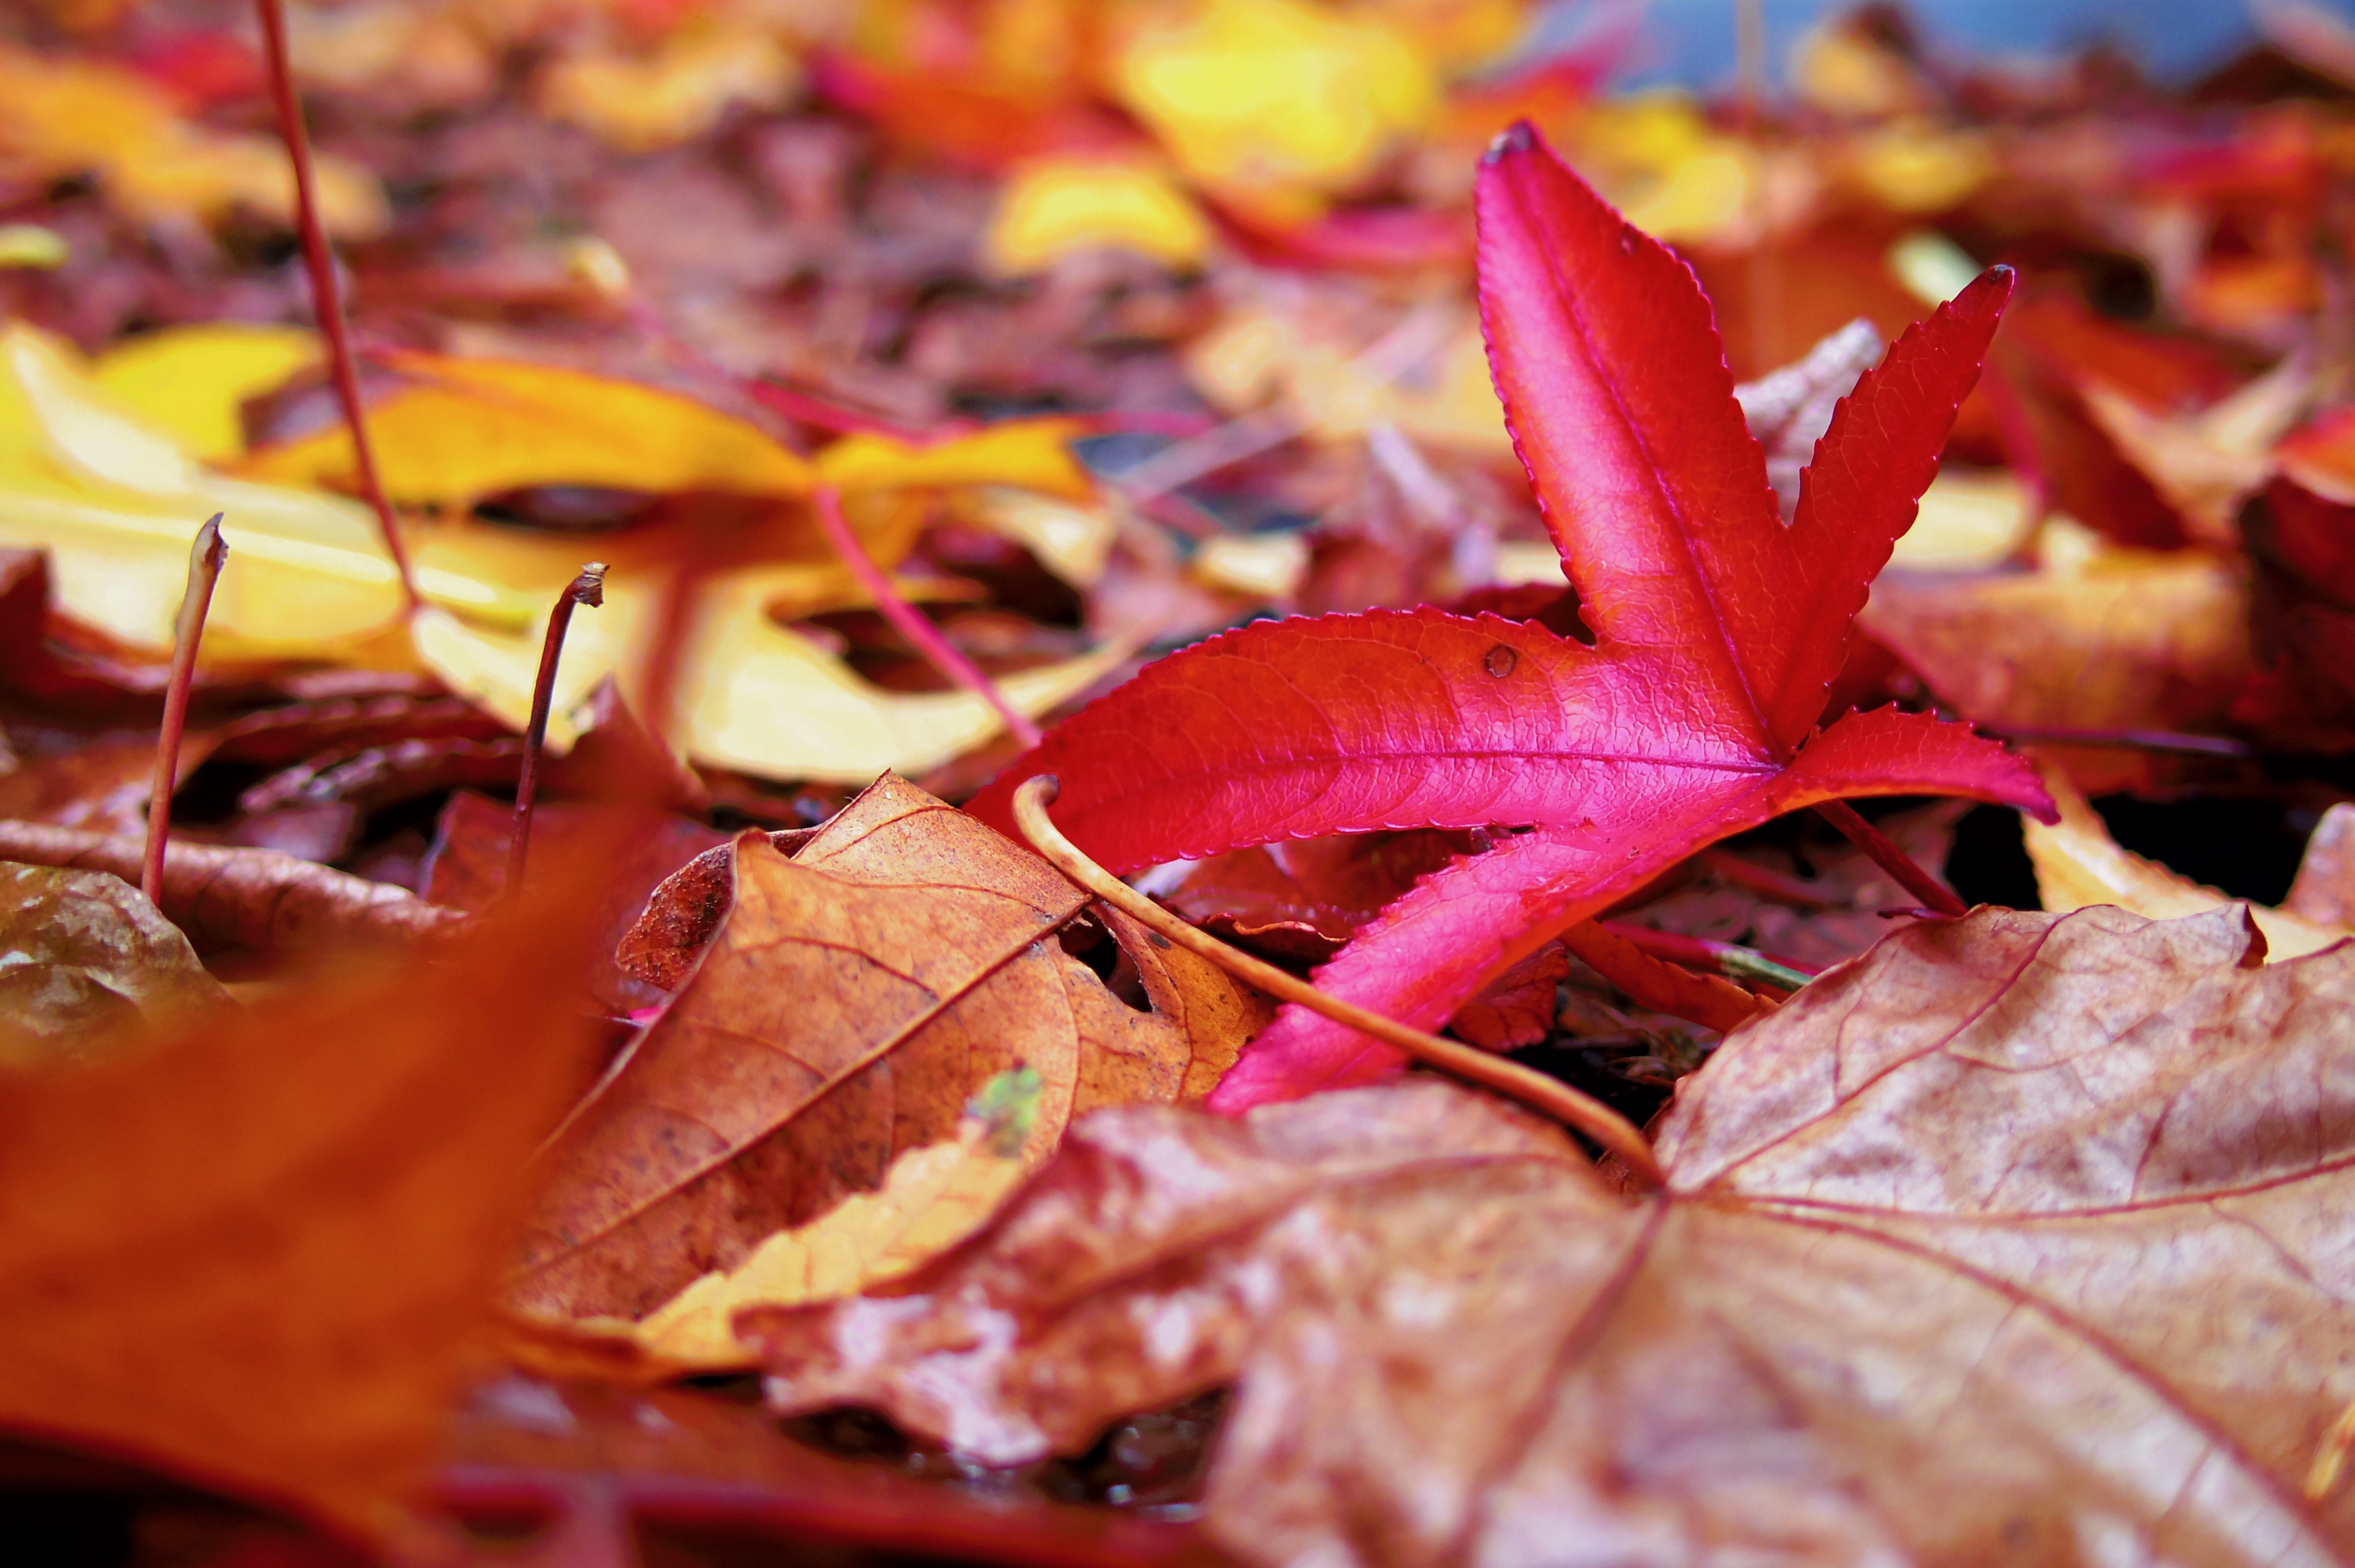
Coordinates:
(1517, 137)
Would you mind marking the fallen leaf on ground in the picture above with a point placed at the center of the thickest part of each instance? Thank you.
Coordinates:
(256, 1255)
(2078, 863)
(2324, 889)
(248, 899)
(2127, 641)
(931, 1199)
(88, 967)
(1963, 1253)
(1692, 717)
(854, 998)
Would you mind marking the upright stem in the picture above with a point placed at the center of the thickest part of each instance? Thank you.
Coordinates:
(326, 297)
(1907, 873)
(587, 588)
(942, 654)
(1549, 1096)
(205, 559)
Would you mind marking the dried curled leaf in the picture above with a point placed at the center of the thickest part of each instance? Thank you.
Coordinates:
(86, 961)
(251, 898)
(2023, 1237)
(853, 999)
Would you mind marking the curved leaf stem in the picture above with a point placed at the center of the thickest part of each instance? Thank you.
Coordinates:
(206, 557)
(1546, 1095)
(1906, 872)
(326, 298)
(587, 588)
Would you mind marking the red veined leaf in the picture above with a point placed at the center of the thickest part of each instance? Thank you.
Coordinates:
(1718, 632)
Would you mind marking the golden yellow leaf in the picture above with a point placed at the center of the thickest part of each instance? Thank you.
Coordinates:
(190, 382)
(1967, 521)
(1061, 205)
(1028, 454)
(115, 501)
(933, 1197)
(1272, 103)
(70, 116)
(756, 697)
(464, 429)
(2078, 863)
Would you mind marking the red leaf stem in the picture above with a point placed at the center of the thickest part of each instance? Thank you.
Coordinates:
(326, 297)
(1903, 868)
(587, 588)
(205, 560)
(942, 654)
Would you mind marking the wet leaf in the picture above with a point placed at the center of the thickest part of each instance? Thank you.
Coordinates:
(88, 967)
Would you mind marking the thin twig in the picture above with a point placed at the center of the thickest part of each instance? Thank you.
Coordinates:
(1903, 868)
(326, 298)
(2160, 740)
(205, 559)
(1588, 1114)
(937, 650)
(587, 588)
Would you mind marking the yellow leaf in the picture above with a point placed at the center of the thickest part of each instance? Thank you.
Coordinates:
(115, 502)
(755, 696)
(1028, 454)
(639, 103)
(2078, 863)
(32, 246)
(68, 116)
(1274, 102)
(191, 381)
(464, 429)
(1074, 541)
(1967, 521)
(1062, 205)
(932, 1198)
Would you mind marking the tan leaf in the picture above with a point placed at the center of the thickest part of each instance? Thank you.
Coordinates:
(855, 997)
(2078, 863)
(2024, 1237)
(2324, 889)
(2131, 640)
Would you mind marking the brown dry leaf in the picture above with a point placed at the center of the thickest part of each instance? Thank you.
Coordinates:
(2025, 1237)
(88, 966)
(2129, 641)
(854, 998)
(2078, 863)
(243, 898)
(256, 1255)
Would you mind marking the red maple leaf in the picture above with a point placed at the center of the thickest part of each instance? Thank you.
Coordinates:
(1718, 630)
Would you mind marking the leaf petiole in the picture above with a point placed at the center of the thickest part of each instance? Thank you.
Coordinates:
(206, 556)
(326, 298)
(1579, 1111)
(587, 588)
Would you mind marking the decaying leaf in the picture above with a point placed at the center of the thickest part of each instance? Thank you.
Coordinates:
(855, 997)
(2025, 1236)
(243, 898)
(86, 966)
(254, 1255)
